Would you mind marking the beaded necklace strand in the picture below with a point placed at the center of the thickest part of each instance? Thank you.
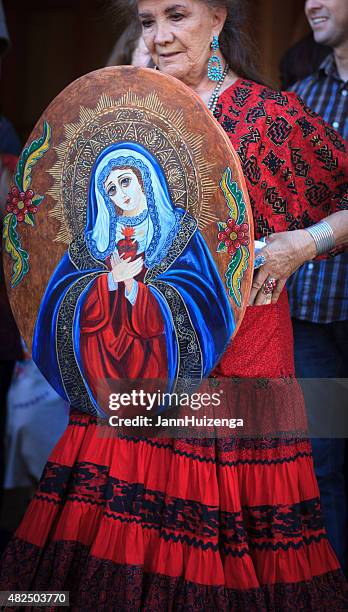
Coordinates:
(215, 95)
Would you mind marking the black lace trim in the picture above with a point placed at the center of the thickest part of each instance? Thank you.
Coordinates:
(203, 459)
(97, 584)
(223, 445)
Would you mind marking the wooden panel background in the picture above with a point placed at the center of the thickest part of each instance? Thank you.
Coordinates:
(56, 41)
(275, 26)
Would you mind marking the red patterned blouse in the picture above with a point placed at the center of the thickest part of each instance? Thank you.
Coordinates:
(295, 164)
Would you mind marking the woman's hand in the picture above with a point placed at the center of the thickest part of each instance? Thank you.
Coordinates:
(285, 253)
(125, 270)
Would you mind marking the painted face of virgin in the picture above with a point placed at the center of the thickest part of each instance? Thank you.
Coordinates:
(124, 190)
(179, 34)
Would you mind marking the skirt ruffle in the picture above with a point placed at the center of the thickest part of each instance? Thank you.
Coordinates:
(162, 524)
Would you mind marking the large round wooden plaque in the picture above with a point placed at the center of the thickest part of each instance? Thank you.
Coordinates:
(128, 250)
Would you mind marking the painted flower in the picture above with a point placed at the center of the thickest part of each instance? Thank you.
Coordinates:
(20, 203)
(233, 236)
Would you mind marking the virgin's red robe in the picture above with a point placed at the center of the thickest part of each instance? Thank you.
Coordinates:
(120, 341)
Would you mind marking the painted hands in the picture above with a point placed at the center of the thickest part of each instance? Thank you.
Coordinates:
(125, 270)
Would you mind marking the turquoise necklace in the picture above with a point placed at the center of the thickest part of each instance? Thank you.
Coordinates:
(213, 100)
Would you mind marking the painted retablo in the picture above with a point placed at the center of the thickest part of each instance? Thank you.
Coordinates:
(127, 237)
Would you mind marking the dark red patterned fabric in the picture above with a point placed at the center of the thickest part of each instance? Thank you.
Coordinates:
(106, 586)
(231, 524)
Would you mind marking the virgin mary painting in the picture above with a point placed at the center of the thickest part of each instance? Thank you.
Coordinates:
(137, 295)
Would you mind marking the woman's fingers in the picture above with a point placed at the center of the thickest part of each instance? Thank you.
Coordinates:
(277, 291)
(260, 277)
(285, 253)
(262, 299)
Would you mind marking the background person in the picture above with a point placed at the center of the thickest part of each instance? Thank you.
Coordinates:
(319, 290)
(301, 60)
(130, 48)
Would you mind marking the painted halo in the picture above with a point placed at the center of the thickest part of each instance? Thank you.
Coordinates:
(127, 165)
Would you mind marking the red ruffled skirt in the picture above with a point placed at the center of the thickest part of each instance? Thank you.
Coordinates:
(162, 524)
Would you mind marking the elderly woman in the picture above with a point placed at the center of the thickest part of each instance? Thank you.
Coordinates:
(133, 524)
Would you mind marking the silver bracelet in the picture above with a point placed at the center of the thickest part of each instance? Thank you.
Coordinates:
(323, 236)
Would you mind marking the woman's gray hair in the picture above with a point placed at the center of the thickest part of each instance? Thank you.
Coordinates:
(235, 43)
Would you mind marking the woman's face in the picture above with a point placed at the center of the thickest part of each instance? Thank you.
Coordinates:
(179, 34)
(124, 190)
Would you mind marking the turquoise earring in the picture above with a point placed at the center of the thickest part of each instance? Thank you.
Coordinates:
(215, 70)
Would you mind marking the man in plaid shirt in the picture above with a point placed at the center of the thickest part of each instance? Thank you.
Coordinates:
(318, 292)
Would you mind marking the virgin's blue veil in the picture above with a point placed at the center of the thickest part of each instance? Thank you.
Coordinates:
(102, 219)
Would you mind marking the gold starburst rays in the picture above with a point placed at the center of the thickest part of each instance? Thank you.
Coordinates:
(147, 121)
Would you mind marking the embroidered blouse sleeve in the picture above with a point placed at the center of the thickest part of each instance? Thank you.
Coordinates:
(319, 161)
